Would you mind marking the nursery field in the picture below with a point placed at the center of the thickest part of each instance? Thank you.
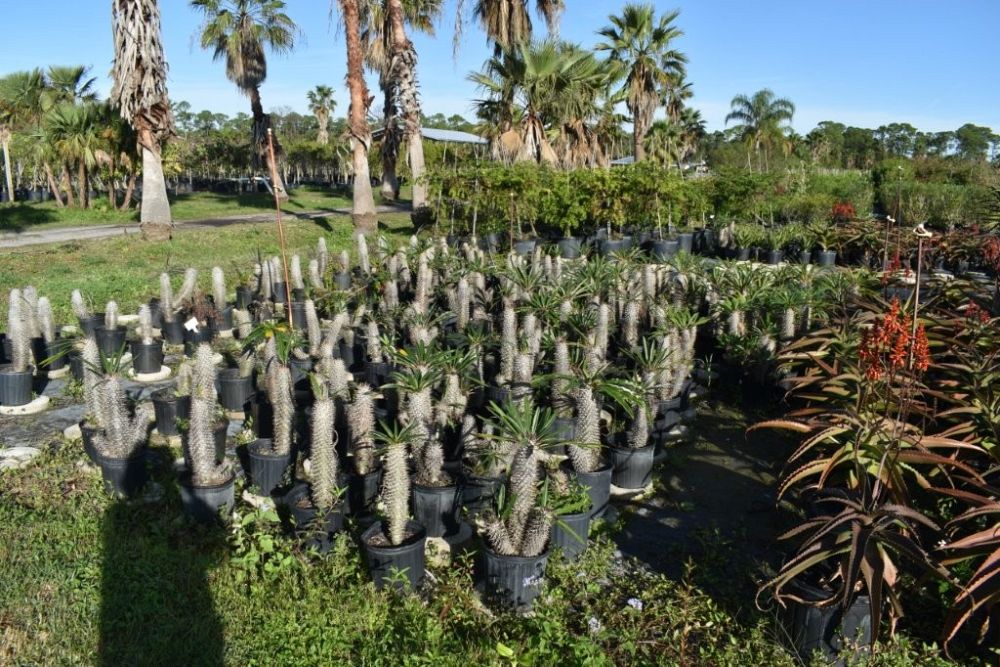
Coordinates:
(126, 268)
(197, 206)
(93, 580)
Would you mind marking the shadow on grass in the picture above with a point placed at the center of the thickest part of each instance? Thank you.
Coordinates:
(17, 217)
(156, 607)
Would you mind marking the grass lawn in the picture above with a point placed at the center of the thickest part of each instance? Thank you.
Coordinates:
(127, 268)
(198, 206)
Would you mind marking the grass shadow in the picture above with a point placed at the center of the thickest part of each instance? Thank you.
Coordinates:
(17, 217)
(156, 605)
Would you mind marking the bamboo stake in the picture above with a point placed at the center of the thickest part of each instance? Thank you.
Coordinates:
(273, 168)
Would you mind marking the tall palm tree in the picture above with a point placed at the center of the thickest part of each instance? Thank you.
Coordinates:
(389, 52)
(74, 132)
(763, 120)
(69, 84)
(140, 95)
(644, 46)
(507, 23)
(676, 98)
(322, 104)
(238, 31)
(363, 210)
(20, 106)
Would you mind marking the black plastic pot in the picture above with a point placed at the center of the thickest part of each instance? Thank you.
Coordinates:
(317, 530)
(279, 292)
(168, 408)
(498, 395)
(805, 257)
(124, 477)
(377, 374)
(685, 242)
(173, 331)
(235, 391)
(89, 325)
(743, 254)
(192, 339)
(298, 294)
(706, 242)
(300, 370)
(525, 246)
(299, 314)
(631, 468)
(436, 509)
(266, 468)
(111, 342)
(87, 436)
(830, 629)
(387, 562)
(664, 250)
(570, 247)
(51, 356)
(244, 297)
(774, 257)
(598, 485)
(15, 388)
(224, 320)
(512, 582)
(147, 357)
(362, 492)
(4, 349)
(219, 434)
(564, 429)
(477, 493)
(351, 354)
(826, 258)
(76, 365)
(570, 533)
(611, 246)
(205, 503)
(342, 280)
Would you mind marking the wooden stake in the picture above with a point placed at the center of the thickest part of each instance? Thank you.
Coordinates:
(273, 168)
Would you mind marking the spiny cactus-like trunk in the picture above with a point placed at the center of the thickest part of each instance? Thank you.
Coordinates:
(188, 286)
(323, 454)
(280, 394)
(638, 433)
(630, 324)
(363, 261)
(322, 256)
(219, 293)
(508, 344)
(79, 306)
(523, 491)
(314, 334)
(373, 343)
(296, 273)
(122, 434)
(166, 298)
(361, 422)
(463, 300)
(315, 274)
(111, 316)
(453, 400)
(243, 322)
(91, 357)
(601, 329)
(145, 325)
(200, 454)
(396, 493)
(536, 532)
(46, 321)
(521, 381)
(737, 327)
(18, 331)
(586, 458)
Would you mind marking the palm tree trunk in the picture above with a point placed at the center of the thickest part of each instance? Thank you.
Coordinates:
(129, 189)
(363, 211)
(83, 187)
(6, 167)
(405, 62)
(53, 186)
(390, 145)
(638, 134)
(261, 124)
(154, 217)
(68, 184)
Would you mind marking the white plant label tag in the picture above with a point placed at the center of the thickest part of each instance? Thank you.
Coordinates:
(192, 325)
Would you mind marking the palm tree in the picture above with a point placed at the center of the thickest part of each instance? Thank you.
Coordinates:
(237, 31)
(74, 132)
(363, 210)
(643, 45)
(676, 98)
(507, 23)
(322, 104)
(20, 106)
(390, 53)
(762, 122)
(140, 95)
(69, 84)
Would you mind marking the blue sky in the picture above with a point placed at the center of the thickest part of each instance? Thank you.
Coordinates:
(861, 62)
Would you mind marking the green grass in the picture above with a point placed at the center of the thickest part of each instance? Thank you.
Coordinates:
(127, 268)
(87, 579)
(198, 206)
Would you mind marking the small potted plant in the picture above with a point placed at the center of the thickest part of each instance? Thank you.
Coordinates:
(364, 467)
(88, 321)
(270, 457)
(823, 236)
(173, 403)
(632, 460)
(147, 352)
(50, 349)
(569, 503)
(16, 380)
(111, 336)
(171, 322)
(206, 484)
(394, 545)
(315, 507)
